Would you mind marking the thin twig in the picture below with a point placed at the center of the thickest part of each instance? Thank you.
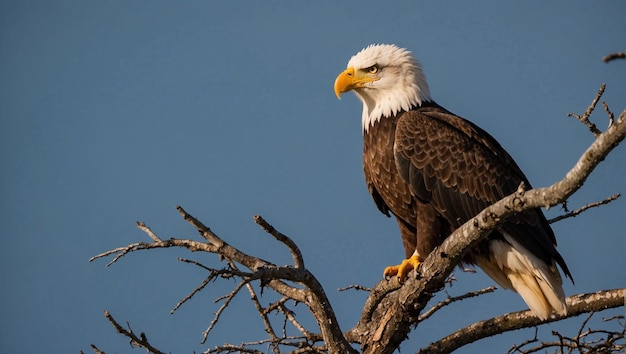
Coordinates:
(585, 117)
(228, 348)
(614, 56)
(585, 341)
(213, 274)
(228, 297)
(576, 212)
(584, 324)
(292, 341)
(274, 306)
(95, 349)
(194, 262)
(191, 245)
(608, 113)
(517, 347)
(199, 288)
(124, 250)
(141, 341)
(355, 287)
(438, 306)
(142, 226)
(268, 325)
(290, 316)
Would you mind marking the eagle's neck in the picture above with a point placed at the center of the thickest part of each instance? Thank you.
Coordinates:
(384, 103)
(371, 116)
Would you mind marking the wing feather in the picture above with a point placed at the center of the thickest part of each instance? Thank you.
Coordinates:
(460, 169)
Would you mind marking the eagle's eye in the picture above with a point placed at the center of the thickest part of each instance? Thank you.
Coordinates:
(372, 69)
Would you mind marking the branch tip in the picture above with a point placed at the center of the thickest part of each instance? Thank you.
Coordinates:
(298, 260)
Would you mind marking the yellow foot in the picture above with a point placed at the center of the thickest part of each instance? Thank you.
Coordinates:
(402, 269)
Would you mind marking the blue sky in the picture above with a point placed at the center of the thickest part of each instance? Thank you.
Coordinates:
(115, 112)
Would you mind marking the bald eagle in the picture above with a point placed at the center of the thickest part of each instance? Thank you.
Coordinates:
(433, 171)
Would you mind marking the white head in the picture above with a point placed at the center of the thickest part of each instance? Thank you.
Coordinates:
(387, 79)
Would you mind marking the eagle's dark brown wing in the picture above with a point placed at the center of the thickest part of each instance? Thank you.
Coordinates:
(460, 169)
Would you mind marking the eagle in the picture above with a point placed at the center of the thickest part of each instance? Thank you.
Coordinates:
(433, 171)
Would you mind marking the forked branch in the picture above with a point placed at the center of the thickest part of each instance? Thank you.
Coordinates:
(309, 291)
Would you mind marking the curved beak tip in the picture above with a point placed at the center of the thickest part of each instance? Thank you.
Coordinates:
(344, 82)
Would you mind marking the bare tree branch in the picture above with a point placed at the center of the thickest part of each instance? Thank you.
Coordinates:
(298, 261)
(142, 226)
(585, 117)
(313, 295)
(191, 245)
(95, 349)
(205, 282)
(576, 305)
(355, 287)
(228, 298)
(614, 56)
(585, 341)
(141, 341)
(578, 211)
(269, 329)
(451, 299)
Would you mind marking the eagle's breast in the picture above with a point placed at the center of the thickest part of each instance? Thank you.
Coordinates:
(389, 190)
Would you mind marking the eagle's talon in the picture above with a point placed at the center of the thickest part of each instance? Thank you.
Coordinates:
(402, 270)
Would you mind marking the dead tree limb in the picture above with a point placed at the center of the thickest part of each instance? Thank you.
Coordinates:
(576, 305)
(614, 56)
(585, 341)
(141, 341)
(311, 292)
(313, 295)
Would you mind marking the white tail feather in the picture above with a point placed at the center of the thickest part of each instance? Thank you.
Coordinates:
(514, 267)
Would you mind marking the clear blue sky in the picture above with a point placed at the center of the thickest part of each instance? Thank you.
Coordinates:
(117, 111)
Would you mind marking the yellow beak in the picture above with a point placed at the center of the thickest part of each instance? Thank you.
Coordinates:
(349, 80)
